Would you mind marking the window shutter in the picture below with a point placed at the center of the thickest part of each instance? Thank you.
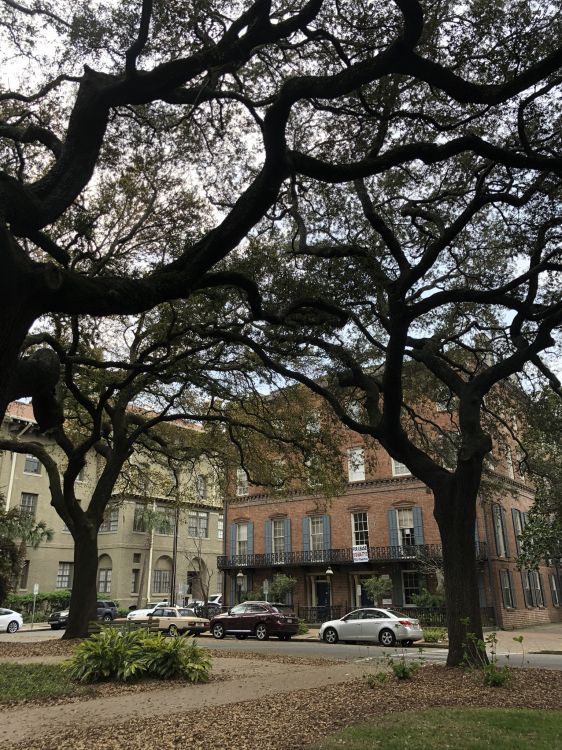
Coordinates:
(526, 588)
(502, 588)
(512, 587)
(525, 519)
(232, 539)
(397, 594)
(504, 531)
(514, 514)
(250, 538)
(287, 535)
(495, 512)
(327, 531)
(393, 530)
(306, 534)
(250, 581)
(268, 537)
(418, 524)
(232, 589)
(553, 590)
(481, 592)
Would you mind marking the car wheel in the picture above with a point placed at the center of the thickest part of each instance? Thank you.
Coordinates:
(218, 631)
(407, 644)
(13, 627)
(331, 635)
(387, 637)
(241, 636)
(261, 632)
(55, 627)
(173, 630)
(107, 618)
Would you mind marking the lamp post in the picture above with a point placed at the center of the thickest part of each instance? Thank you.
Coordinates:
(239, 579)
(329, 574)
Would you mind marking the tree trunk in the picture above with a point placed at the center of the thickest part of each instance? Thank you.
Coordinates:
(84, 586)
(455, 513)
(14, 327)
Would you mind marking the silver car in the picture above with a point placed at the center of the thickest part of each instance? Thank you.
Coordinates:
(383, 626)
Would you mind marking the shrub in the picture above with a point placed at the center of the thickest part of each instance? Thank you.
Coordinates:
(126, 654)
(434, 635)
(404, 670)
(494, 676)
(377, 678)
(427, 599)
(303, 627)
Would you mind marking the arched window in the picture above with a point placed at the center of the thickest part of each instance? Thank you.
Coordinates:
(162, 575)
(105, 569)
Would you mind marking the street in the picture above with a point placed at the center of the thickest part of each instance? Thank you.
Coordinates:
(317, 649)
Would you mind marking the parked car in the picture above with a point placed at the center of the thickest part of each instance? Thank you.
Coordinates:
(175, 620)
(10, 621)
(106, 611)
(369, 624)
(260, 619)
(142, 614)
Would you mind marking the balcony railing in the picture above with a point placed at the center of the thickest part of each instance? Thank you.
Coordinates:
(345, 555)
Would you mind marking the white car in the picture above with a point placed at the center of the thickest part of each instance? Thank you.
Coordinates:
(10, 621)
(142, 614)
(384, 626)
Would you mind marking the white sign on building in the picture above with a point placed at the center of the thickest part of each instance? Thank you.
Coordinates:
(360, 553)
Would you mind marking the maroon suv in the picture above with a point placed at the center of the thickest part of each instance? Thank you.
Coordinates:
(261, 619)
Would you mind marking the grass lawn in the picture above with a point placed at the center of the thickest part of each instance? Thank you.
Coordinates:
(36, 681)
(464, 729)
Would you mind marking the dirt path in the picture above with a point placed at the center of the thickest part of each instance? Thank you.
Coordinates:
(252, 679)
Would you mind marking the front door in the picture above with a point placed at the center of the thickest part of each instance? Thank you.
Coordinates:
(322, 593)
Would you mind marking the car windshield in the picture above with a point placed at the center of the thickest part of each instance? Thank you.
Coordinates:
(186, 613)
(283, 608)
(397, 613)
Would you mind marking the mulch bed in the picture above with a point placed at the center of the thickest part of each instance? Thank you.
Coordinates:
(299, 718)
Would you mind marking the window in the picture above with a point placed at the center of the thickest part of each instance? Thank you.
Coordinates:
(316, 533)
(201, 486)
(278, 535)
(164, 521)
(553, 590)
(28, 503)
(532, 588)
(518, 526)
(356, 464)
(110, 521)
(406, 533)
(506, 589)
(509, 463)
(399, 469)
(64, 575)
(411, 584)
(139, 520)
(161, 583)
(499, 530)
(241, 482)
(360, 528)
(81, 477)
(24, 575)
(32, 465)
(104, 580)
(220, 526)
(135, 580)
(198, 524)
(242, 539)
(136, 557)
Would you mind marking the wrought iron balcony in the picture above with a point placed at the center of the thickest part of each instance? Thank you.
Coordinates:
(345, 555)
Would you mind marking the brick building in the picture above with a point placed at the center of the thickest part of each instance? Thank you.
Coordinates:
(381, 524)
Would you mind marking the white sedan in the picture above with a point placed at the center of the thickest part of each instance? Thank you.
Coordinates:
(10, 621)
(142, 614)
(383, 626)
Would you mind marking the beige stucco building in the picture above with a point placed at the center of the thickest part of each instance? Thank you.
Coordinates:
(137, 537)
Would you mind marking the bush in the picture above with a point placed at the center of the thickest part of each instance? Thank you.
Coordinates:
(376, 678)
(434, 635)
(46, 602)
(494, 676)
(303, 627)
(427, 599)
(404, 670)
(115, 654)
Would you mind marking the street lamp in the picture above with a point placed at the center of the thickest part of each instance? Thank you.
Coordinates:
(329, 571)
(239, 579)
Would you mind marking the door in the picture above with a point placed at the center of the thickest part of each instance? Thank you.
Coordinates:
(350, 626)
(322, 593)
(372, 623)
